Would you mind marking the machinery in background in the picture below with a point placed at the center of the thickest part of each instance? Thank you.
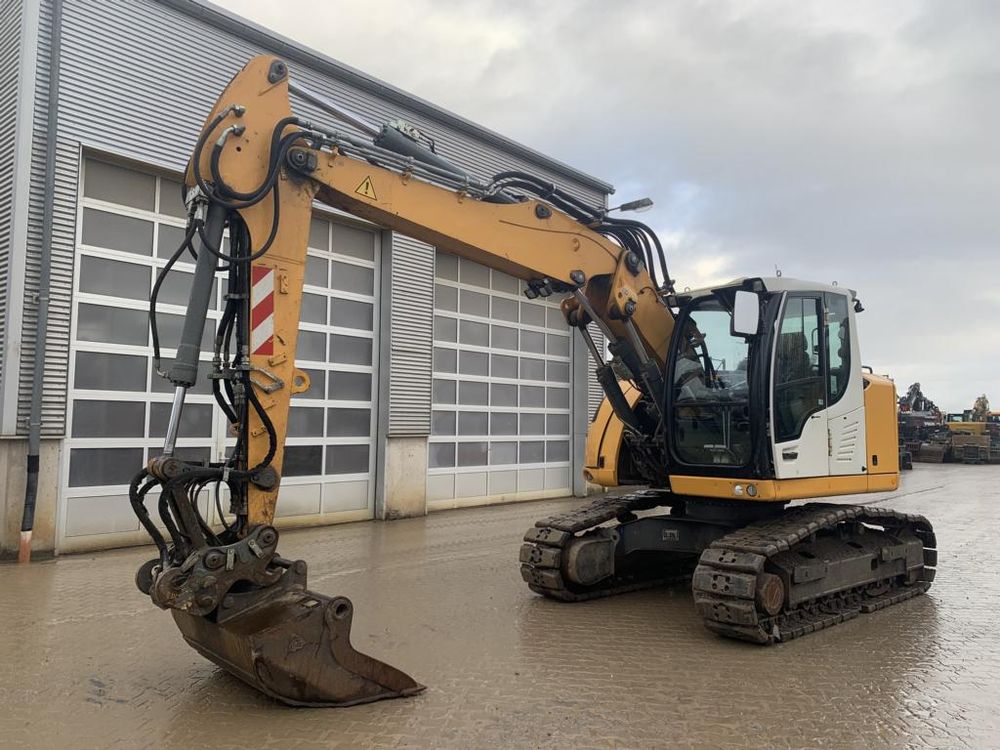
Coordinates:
(975, 434)
(920, 424)
(725, 403)
(930, 436)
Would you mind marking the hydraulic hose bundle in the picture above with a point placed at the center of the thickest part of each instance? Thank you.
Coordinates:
(629, 234)
(231, 384)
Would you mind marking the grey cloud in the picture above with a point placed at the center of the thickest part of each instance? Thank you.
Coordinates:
(852, 141)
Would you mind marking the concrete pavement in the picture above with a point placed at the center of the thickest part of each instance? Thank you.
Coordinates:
(88, 662)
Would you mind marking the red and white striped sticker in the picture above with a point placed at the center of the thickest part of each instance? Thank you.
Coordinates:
(262, 310)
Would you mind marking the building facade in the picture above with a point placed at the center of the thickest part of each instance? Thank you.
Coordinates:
(435, 383)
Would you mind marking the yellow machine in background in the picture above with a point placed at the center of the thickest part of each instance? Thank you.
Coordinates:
(725, 404)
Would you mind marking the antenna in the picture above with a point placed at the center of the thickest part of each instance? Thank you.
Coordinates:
(777, 271)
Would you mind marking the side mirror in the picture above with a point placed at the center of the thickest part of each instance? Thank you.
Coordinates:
(746, 314)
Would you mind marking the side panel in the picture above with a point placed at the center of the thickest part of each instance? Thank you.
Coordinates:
(808, 454)
(595, 394)
(848, 453)
(604, 441)
(881, 426)
(782, 490)
(62, 260)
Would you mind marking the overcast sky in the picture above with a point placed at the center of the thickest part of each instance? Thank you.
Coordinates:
(852, 141)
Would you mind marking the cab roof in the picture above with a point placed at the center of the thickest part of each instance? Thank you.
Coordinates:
(769, 284)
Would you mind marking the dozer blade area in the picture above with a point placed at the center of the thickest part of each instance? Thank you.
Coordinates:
(295, 647)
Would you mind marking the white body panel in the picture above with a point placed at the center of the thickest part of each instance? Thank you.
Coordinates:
(808, 455)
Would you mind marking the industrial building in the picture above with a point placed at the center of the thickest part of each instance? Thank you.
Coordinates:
(435, 383)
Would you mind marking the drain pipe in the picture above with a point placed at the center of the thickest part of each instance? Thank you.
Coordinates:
(44, 276)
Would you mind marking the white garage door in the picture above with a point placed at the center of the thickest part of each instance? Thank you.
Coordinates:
(129, 223)
(501, 414)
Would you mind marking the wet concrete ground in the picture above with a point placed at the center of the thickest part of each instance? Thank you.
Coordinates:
(87, 662)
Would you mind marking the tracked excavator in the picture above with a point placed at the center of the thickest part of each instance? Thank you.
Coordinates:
(722, 406)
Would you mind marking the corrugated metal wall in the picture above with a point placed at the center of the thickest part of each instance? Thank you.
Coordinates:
(10, 53)
(63, 242)
(595, 394)
(412, 311)
(61, 289)
(138, 77)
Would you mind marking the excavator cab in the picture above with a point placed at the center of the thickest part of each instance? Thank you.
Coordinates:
(764, 400)
(782, 397)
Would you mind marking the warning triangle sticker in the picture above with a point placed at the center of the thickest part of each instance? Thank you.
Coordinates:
(367, 189)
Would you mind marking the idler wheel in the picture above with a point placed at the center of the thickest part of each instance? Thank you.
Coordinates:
(770, 594)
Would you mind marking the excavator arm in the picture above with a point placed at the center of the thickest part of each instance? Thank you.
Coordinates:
(257, 170)
(529, 239)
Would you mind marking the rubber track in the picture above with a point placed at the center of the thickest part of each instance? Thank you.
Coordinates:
(733, 563)
(545, 543)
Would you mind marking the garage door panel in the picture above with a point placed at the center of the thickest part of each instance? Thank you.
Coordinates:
(119, 406)
(440, 487)
(471, 485)
(299, 500)
(99, 515)
(501, 390)
(503, 482)
(348, 495)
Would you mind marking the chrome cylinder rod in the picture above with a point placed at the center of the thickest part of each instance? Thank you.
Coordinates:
(173, 426)
(589, 341)
(336, 110)
(581, 297)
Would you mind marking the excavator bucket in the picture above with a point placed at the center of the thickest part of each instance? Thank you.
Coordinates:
(293, 645)
(248, 610)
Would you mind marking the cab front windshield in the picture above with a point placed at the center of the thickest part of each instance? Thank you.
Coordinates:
(711, 399)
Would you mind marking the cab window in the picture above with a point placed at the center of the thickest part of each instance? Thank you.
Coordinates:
(799, 382)
(710, 394)
(838, 345)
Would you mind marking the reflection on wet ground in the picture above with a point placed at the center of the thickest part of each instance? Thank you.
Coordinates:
(88, 662)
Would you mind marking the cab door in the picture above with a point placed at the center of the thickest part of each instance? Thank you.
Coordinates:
(817, 401)
(799, 373)
(845, 388)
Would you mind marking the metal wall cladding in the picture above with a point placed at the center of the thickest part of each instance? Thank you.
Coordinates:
(138, 78)
(61, 269)
(411, 330)
(595, 394)
(10, 54)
